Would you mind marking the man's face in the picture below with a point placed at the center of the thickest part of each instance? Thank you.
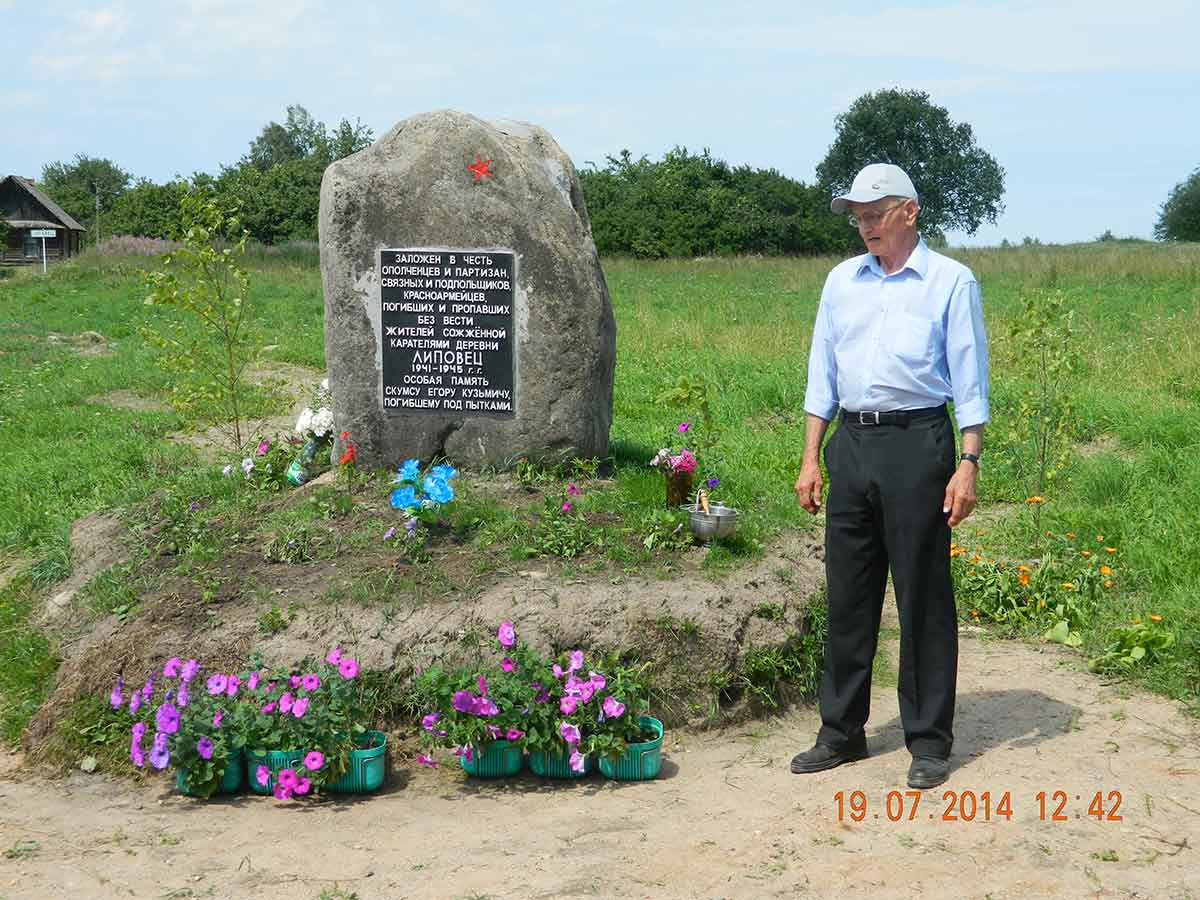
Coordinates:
(885, 225)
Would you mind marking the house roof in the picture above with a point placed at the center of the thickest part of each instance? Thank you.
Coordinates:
(64, 219)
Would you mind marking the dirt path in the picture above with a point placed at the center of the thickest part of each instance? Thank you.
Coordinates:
(726, 819)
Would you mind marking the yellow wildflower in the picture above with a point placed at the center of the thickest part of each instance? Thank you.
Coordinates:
(1110, 549)
(1154, 618)
(1105, 570)
(1068, 585)
(1035, 499)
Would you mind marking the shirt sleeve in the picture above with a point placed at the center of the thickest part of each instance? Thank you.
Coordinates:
(967, 355)
(821, 395)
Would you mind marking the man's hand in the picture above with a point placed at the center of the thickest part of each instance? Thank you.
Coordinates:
(808, 486)
(960, 493)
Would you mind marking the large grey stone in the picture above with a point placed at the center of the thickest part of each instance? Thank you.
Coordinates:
(412, 189)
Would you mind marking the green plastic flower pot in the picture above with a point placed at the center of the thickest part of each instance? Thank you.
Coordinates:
(365, 773)
(641, 761)
(558, 765)
(499, 760)
(274, 760)
(231, 777)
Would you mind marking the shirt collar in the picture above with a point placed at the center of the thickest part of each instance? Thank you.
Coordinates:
(917, 262)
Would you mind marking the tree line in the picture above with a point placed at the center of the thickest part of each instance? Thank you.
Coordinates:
(686, 204)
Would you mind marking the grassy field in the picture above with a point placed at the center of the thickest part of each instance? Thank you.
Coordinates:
(740, 325)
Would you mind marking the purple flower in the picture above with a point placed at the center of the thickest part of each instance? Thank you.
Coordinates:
(313, 760)
(262, 775)
(507, 665)
(285, 702)
(147, 690)
(159, 755)
(682, 427)
(465, 752)
(575, 661)
(482, 706)
(262, 448)
(300, 707)
(171, 669)
(139, 729)
(597, 680)
(182, 699)
(430, 720)
(569, 732)
(577, 761)
(216, 684)
(281, 792)
(231, 685)
(188, 671)
(573, 489)
(286, 777)
(426, 760)
(347, 668)
(492, 731)
(410, 527)
(268, 708)
(612, 707)
(252, 681)
(514, 734)
(303, 786)
(310, 682)
(217, 716)
(566, 507)
(294, 681)
(463, 701)
(712, 483)
(482, 685)
(135, 700)
(557, 670)
(506, 634)
(166, 718)
(334, 656)
(567, 705)
(114, 699)
(387, 534)
(204, 747)
(137, 757)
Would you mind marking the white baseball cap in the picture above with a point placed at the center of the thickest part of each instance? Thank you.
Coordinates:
(874, 182)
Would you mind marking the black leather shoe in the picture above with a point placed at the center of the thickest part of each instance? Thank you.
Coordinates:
(928, 772)
(822, 756)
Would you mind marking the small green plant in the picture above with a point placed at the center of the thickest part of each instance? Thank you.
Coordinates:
(1133, 645)
(665, 530)
(691, 393)
(212, 341)
(292, 545)
(273, 620)
(22, 849)
(772, 612)
(562, 530)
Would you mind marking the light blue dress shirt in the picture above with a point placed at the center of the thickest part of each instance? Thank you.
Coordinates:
(909, 340)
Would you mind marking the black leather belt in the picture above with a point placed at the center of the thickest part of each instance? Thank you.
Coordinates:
(894, 417)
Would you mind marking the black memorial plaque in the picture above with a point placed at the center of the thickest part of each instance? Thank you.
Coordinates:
(447, 324)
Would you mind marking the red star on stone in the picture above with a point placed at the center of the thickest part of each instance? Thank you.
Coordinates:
(480, 168)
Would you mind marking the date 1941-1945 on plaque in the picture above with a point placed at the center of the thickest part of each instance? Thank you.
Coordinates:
(969, 806)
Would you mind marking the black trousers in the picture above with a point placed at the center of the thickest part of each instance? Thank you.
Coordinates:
(887, 484)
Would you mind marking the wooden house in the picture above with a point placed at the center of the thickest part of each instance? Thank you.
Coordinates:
(29, 214)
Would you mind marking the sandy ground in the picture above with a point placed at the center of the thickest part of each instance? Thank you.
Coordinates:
(725, 819)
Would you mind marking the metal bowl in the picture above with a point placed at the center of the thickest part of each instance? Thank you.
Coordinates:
(718, 522)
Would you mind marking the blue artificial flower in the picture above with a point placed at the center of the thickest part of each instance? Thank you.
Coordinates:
(437, 489)
(409, 471)
(404, 498)
(445, 472)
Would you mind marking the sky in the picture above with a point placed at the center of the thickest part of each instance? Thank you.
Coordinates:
(1090, 106)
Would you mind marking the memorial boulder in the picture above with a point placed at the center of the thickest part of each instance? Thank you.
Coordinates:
(466, 313)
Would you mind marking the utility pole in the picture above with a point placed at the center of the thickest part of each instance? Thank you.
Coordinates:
(96, 191)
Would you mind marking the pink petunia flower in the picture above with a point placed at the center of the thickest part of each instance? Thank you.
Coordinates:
(514, 734)
(268, 708)
(506, 634)
(334, 656)
(216, 684)
(575, 661)
(262, 448)
(310, 682)
(578, 761)
(300, 707)
(570, 733)
(281, 792)
(313, 760)
(482, 685)
(252, 681)
(430, 720)
(427, 760)
(171, 669)
(262, 775)
(573, 489)
(566, 507)
(287, 777)
(347, 668)
(286, 701)
(557, 670)
(507, 665)
(303, 785)
(567, 705)
(683, 427)
(612, 707)
(217, 716)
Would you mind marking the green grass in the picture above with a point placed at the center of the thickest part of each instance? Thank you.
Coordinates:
(743, 325)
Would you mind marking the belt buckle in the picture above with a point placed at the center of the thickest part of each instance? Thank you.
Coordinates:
(863, 417)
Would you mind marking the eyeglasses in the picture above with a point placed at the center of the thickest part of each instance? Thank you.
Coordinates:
(872, 219)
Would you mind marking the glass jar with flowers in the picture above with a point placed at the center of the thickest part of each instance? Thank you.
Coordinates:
(315, 426)
(678, 467)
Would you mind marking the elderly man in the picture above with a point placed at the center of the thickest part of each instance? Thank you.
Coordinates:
(899, 332)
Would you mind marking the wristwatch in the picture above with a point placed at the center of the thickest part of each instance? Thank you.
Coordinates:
(969, 457)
